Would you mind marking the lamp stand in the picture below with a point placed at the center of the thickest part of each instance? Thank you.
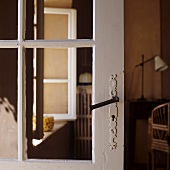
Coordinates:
(160, 65)
(142, 64)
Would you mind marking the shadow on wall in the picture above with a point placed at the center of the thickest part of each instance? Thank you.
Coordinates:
(8, 130)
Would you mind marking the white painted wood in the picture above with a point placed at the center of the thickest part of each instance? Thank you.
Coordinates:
(59, 11)
(21, 98)
(72, 78)
(9, 43)
(62, 116)
(58, 43)
(108, 57)
(55, 80)
(20, 105)
(47, 43)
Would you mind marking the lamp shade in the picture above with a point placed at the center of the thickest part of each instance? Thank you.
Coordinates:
(160, 65)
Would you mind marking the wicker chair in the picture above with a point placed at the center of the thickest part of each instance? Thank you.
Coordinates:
(160, 132)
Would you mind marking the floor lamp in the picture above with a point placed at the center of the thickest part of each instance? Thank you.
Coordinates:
(160, 65)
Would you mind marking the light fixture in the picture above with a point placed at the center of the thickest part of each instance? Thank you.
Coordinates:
(160, 65)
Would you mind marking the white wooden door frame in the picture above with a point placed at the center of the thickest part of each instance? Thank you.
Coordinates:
(108, 60)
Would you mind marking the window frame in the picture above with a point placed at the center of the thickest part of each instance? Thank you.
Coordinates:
(71, 80)
(102, 156)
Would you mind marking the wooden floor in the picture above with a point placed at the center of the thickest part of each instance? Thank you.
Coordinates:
(144, 167)
(140, 167)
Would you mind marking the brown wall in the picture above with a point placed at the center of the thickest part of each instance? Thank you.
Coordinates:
(165, 43)
(58, 3)
(142, 36)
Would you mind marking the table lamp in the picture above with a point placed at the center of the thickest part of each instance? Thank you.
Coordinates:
(160, 65)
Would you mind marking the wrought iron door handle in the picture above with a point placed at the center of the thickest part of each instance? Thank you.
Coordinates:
(101, 104)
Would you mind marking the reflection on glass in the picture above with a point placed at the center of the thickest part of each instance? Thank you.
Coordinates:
(8, 130)
(8, 103)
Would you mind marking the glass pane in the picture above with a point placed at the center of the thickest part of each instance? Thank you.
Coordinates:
(52, 74)
(84, 18)
(56, 26)
(84, 62)
(62, 19)
(8, 19)
(8, 103)
(82, 125)
(55, 98)
(29, 33)
(62, 139)
(56, 63)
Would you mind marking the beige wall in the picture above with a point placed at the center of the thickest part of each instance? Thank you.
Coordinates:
(142, 36)
(59, 31)
(58, 3)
